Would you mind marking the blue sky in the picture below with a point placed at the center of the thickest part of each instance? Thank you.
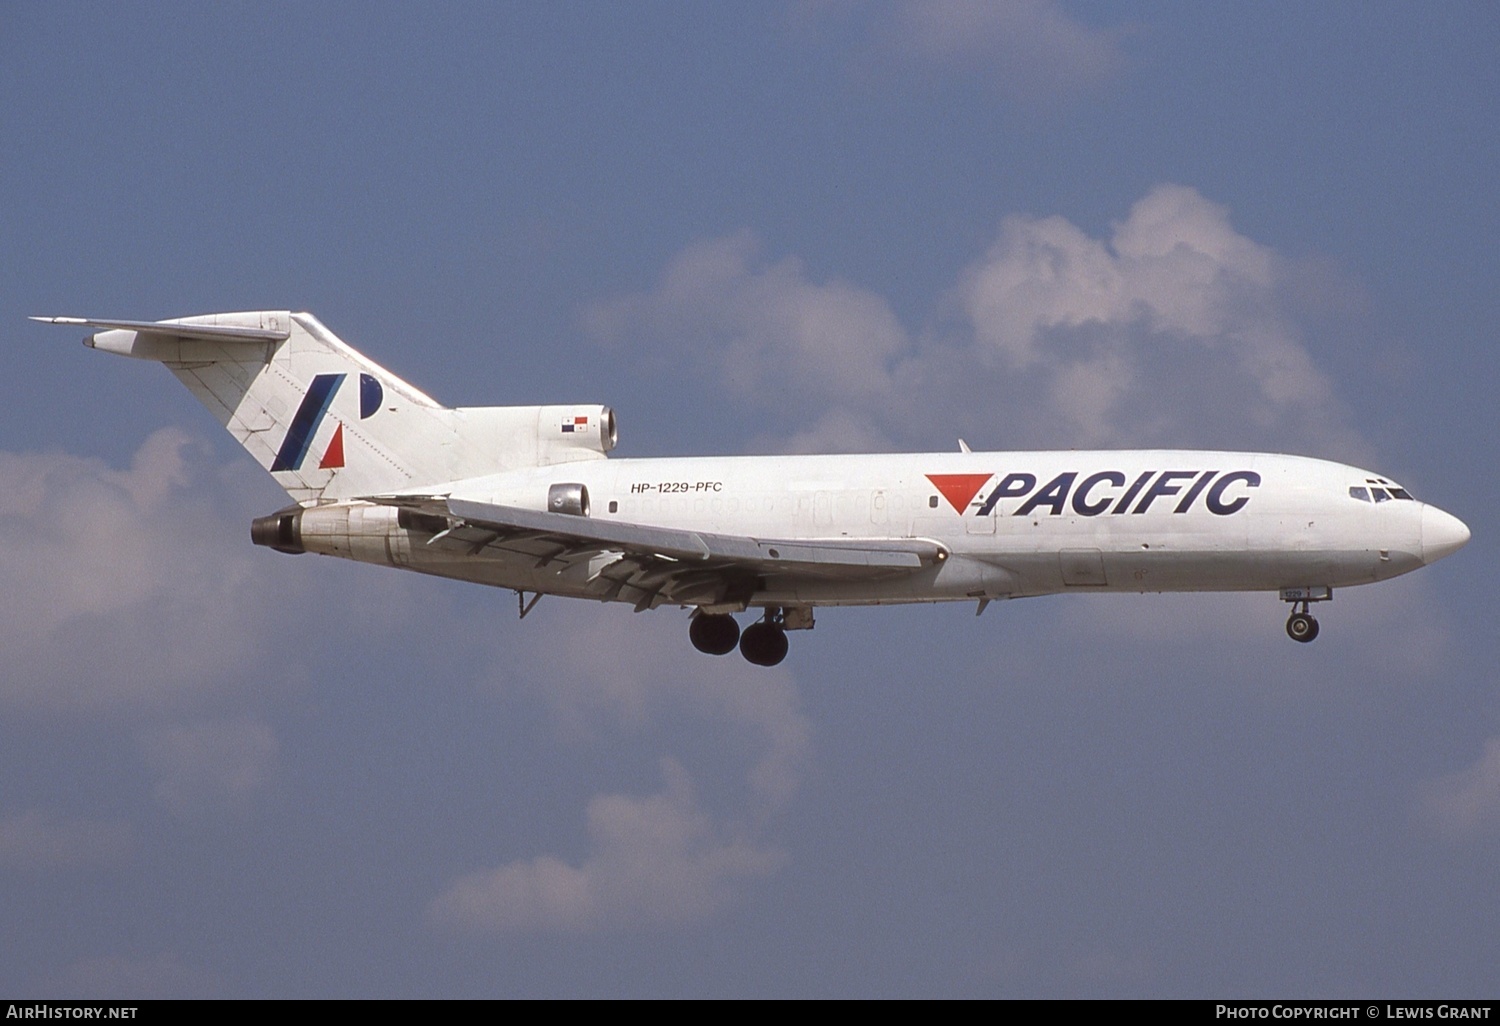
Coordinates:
(748, 228)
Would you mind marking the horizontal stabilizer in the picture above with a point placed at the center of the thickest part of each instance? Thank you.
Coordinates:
(178, 329)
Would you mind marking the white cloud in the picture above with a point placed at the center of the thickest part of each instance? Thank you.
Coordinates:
(761, 327)
(209, 765)
(123, 591)
(1175, 264)
(1170, 331)
(1176, 313)
(653, 860)
(1466, 805)
(657, 860)
(617, 670)
(838, 430)
(117, 587)
(44, 839)
(1027, 50)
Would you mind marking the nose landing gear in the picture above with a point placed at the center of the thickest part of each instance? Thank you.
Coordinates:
(1301, 626)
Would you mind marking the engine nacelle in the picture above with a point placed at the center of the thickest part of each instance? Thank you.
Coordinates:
(352, 530)
(281, 531)
(569, 498)
(591, 427)
(493, 439)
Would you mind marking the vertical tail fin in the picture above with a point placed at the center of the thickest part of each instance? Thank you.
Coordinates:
(329, 424)
(325, 422)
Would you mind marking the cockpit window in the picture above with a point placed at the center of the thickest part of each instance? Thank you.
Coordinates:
(1378, 489)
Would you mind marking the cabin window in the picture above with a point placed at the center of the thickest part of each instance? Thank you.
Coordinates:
(932, 502)
(614, 507)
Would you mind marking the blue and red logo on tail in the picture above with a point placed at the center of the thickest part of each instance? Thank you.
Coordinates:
(309, 417)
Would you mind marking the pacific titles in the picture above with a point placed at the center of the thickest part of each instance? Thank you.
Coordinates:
(1100, 493)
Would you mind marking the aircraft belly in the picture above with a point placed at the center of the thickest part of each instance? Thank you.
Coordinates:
(993, 573)
(1238, 571)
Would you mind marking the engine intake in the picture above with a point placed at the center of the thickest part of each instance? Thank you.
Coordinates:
(569, 498)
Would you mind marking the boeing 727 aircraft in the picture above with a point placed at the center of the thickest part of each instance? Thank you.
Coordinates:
(523, 497)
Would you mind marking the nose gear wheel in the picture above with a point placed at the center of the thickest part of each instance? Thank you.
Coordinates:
(1301, 626)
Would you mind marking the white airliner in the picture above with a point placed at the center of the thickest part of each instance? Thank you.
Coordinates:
(523, 497)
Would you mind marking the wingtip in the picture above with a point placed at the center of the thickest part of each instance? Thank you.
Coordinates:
(88, 340)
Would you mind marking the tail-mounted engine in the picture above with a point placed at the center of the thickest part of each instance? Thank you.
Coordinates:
(351, 530)
(494, 439)
(281, 531)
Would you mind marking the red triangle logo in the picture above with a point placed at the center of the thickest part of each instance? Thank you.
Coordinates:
(334, 457)
(959, 489)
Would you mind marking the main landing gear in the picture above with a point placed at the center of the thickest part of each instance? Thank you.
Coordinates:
(1301, 625)
(763, 643)
(714, 633)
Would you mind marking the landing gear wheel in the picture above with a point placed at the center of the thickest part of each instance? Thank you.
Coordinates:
(714, 633)
(1301, 627)
(763, 644)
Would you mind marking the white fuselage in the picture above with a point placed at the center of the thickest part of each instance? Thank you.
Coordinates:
(1140, 520)
(524, 497)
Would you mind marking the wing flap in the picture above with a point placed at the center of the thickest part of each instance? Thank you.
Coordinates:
(659, 565)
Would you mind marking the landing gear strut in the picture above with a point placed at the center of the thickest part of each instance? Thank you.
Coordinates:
(1301, 626)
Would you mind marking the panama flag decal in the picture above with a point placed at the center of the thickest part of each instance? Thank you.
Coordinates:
(959, 489)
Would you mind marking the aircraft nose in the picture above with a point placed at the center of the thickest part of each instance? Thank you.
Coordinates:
(1442, 534)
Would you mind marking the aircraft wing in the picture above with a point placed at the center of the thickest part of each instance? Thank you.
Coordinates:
(658, 565)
